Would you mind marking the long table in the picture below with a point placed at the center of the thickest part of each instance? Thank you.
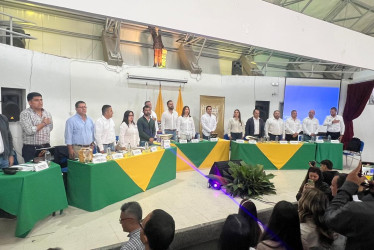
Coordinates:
(287, 156)
(32, 196)
(201, 155)
(94, 186)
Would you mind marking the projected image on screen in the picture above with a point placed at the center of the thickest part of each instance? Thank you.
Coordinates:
(305, 98)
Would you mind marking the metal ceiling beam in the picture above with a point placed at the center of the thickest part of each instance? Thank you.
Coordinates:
(345, 19)
(306, 6)
(336, 10)
(290, 3)
(362, 16)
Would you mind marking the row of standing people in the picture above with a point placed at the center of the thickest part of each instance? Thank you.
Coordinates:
(288, 130)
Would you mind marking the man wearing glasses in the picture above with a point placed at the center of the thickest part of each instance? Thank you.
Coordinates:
(79, 130)
(131, 215)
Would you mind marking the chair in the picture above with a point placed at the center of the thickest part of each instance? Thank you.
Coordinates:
(226, 137)
(352, 152)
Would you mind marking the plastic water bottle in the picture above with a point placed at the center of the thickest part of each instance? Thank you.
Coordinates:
(47, 157)
(276, 138)
(329, 138)
(109, 154)
(146, 147)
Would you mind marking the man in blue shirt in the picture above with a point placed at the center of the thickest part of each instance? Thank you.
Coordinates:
(79, 130)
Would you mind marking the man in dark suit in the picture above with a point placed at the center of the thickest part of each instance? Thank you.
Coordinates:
(255, 125)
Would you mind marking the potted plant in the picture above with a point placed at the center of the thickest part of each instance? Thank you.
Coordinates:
(247, 181)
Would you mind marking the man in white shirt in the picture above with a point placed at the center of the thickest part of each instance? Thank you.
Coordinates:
(169, 120)
(310, 125)
(153, 114)
(275, 127)
(208, 122)
(105, 135)
(335, 125)
(293, 127)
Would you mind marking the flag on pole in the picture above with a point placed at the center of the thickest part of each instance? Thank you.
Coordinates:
(159, 106)
(179, 107)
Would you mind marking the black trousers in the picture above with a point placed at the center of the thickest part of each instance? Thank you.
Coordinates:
(28, 151)
(272, 137)
(290, 138)
(334, 135)
(235, 136)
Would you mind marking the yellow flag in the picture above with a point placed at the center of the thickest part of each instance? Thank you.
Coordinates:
(159, 106)
(179, 107)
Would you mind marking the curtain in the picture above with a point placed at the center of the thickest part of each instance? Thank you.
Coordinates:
(357, 97)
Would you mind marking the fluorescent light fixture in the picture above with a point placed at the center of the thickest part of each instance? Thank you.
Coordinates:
(156, 79)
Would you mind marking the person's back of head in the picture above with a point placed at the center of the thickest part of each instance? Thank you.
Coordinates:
(327, 163)
(284, 226)
(312, 206)
(341, 179)
(159, 230)
(248, 210)
(235, 233)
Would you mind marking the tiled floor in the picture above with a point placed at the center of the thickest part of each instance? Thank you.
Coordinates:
(186, 198)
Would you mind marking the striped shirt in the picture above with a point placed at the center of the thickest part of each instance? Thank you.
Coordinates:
(134, 243)
(29, 119)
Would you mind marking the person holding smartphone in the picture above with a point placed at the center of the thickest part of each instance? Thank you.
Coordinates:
(314, 179)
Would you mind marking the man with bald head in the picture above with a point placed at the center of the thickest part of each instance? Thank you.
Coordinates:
(310, 125)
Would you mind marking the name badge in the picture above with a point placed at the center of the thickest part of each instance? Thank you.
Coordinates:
(99, 158)
(319, 141)
(195, 140)
(252, 142)
(335, 141)
(182, 141)
(214, 139)
(283, 142)
(294, 142)
(239, 141)
(153, 149)
(136, 152)
(166, 143)
(40, 166)
(117, 156)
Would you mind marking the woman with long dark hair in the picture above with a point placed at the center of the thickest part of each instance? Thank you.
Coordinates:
(128, 131)
(235, 233)
(248, 210)
(185, 125)
(235, 126)
(313, 179)
(283, 230)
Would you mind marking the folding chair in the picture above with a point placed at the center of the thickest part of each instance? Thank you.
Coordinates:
(353, 153)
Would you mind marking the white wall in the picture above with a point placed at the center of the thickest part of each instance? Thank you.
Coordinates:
(254, 22)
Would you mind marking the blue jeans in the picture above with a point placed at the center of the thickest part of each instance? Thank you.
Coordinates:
(173, 132)
(4, 163)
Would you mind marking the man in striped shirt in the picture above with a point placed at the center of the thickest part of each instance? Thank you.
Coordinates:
(131, 215)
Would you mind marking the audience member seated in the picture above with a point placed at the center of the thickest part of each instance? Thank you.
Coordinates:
(353, 219)
(131, 215)
(248, 210)
(283, 230)
(327, 172)
(236, 234)
(337, 182)
(314, 232)
(158, 230)
(312, 179)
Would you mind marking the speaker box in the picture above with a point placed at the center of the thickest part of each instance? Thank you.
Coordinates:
(11, 103)
(220, 166)
(236, 68)
(17, 41)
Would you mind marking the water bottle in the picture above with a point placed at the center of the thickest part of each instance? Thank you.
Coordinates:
(47, 157)
(329, 138)
(146, 146)
(276, 138)
(129, 150)
(109, 154)
(198, 136)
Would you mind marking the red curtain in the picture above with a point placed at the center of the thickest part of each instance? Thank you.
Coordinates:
(358, 95)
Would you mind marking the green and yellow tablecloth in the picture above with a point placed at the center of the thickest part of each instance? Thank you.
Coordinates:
(201, 155)
(32, 196)
(275, 155)
(332, 152)
(94, 186)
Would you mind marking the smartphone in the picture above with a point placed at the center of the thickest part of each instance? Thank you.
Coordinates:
(310, 183)
(313, 163)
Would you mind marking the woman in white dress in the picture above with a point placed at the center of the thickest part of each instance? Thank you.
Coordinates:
(185, 125)
(128, 131)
